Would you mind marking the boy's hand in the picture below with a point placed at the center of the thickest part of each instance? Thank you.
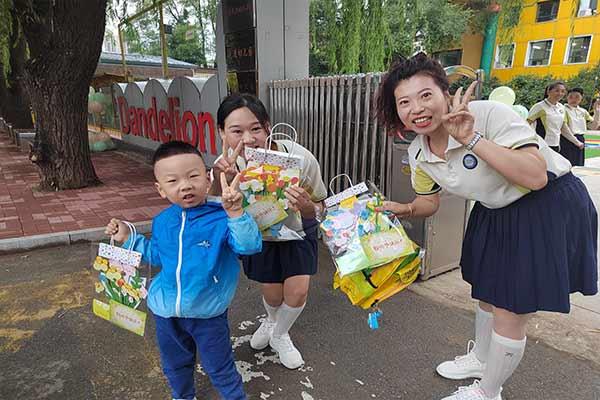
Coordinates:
(118, 230)
(231, 197)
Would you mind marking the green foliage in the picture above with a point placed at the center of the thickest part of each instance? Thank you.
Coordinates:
(186, 48)
(6, 31)
(442, 24)
(375, 36)
(324, 37)
(351, 29)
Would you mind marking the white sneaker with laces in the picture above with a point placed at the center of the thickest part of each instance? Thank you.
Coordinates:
(289, 355)
(260, 338)
(472, 392)
(463, 367)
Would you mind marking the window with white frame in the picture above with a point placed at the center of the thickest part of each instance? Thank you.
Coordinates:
(504, 56)
(578, 49)
(538, 53)
(587, 8)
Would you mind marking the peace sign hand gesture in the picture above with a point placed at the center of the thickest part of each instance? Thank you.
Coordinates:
(231, 197)
(459, 121)
(227, 162)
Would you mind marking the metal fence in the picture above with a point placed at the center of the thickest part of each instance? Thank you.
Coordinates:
(335, 121)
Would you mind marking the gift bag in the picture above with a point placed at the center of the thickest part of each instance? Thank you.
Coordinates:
(120, 283)
(263, 183)
(371, 286)
(357, 235)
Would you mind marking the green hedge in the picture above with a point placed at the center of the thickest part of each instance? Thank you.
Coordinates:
(529, 89)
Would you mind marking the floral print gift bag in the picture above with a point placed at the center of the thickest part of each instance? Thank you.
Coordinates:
(121, 283)
(264, 181)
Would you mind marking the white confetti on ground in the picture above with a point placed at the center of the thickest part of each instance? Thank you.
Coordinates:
(331, 362)
(308, 383)
(306, 396)
(373, 396)
(238, 341)
(360, 382)
(261, 316)
(262, 358)
(244, 325)
(245, 370)
(305, 368)
(265, 396)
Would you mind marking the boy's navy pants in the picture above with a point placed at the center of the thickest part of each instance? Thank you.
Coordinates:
(178, 341)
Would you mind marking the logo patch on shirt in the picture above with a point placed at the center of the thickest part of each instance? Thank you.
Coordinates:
(470, 161)
(204, 243)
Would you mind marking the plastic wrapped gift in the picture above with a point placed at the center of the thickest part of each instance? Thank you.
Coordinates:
(357, 235)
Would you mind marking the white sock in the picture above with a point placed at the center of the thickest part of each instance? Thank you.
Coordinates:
(484, 322)
(503, 358)
(286, 316)
(271, 311)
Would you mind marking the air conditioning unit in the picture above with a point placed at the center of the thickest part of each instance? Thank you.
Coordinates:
(585, 13)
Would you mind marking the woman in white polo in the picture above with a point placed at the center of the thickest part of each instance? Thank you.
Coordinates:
(532, 234)
(549, 117)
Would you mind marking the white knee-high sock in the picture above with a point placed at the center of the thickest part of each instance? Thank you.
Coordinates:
(271, 311)
(503, 358)
(484, 323)
(286, 316)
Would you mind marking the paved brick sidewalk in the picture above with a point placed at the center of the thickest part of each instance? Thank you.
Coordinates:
(127, 192)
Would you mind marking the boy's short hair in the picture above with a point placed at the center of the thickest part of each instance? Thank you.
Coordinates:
(576, 90)
(173, 148)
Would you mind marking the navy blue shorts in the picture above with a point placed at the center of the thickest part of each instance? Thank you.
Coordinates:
(530, 255)
(280, 260)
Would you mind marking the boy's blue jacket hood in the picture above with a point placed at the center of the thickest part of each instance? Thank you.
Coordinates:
(197, 249)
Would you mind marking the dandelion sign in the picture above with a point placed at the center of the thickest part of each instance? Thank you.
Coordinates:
(120, 281)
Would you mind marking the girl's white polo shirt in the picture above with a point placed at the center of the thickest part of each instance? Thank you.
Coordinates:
(577, 118)
(466, 175)
(553, 117)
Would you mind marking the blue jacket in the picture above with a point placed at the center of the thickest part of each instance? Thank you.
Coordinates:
(197, 249)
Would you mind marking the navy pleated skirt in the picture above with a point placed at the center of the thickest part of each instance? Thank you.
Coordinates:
(530, 255)
(571, 152)
(281, 260)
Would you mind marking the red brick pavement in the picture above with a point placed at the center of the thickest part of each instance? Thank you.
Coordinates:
(127, 193)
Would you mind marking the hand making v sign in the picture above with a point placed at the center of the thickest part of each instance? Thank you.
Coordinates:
(231, 197)
(459, 121)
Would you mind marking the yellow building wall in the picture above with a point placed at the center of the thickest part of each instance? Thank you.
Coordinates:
(471, 45)
(560, 30)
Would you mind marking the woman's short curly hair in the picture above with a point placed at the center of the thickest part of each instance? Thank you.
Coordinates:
(402, 69)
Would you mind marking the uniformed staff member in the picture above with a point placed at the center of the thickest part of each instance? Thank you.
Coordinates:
(531, 239)
(548, 117)
(578, 119)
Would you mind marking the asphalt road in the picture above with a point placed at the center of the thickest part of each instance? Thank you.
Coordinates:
(53, 347)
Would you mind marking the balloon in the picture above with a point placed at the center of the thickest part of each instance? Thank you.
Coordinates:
(521, 110)
(95, 107)
(503, 94)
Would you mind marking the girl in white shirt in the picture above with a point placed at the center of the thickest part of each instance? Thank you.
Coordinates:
(532, 235)
(548, 117)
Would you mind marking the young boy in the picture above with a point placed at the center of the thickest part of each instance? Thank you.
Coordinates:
(196, 242)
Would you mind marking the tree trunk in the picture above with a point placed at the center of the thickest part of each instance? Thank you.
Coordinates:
(14, 103)
(65, 40)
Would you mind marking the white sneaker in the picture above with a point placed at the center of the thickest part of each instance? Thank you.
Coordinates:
(462, 367)
(260, 338)
(472, 392)
(289, 355)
